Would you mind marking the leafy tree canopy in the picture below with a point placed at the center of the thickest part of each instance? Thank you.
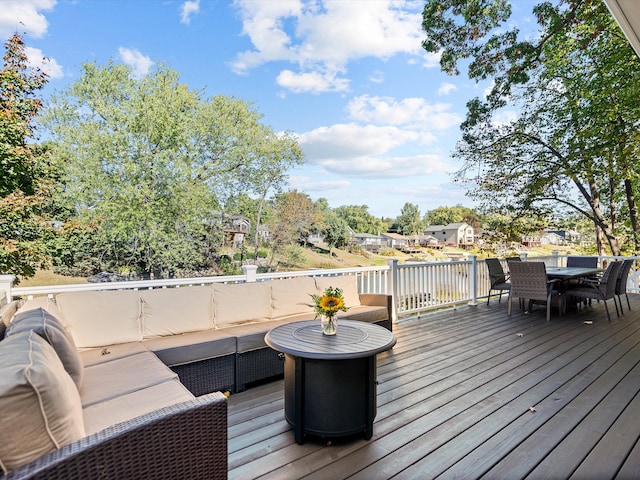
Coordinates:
(150, 162)
(27, 178)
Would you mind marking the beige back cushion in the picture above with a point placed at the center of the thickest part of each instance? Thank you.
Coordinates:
(169, 311)
(239, 303)
(51, 329)
(292, 296)
(39, 402)
(96, 319)
(348, 285)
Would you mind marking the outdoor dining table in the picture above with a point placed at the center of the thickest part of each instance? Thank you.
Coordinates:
(571, 273)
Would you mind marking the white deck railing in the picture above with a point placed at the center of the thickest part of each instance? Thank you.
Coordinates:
(416, 287)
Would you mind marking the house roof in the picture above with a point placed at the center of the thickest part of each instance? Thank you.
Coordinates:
(365, 235)
(397, 236)
(627, 14)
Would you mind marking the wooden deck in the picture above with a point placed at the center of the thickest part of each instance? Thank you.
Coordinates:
(473, 393)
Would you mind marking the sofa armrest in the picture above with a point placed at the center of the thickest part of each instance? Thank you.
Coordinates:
(7, 312)
(185, 440)
(379, 300)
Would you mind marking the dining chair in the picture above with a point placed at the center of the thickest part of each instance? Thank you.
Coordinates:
(583, 262)
(603, 288)
(529, 282)
(621, 282)
(497, 278)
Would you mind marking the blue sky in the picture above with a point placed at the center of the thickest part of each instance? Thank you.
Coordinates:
(376, 118)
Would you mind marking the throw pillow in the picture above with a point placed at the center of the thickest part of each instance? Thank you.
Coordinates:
(51, 329)
(40, 404)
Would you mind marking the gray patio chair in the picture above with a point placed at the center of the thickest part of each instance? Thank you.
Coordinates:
(603, 288)
(497, 278)
(584, 262)
(529, 282)
(621, 282)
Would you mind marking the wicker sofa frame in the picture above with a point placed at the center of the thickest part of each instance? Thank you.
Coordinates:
(186, 440)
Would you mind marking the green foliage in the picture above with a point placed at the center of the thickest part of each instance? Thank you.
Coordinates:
(150, 161)
(359, 219)
(574, 86)
(336, 231)
(28, 176)
(444, 215)
(409, 221)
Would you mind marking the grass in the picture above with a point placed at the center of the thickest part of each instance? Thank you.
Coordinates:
(47, 277)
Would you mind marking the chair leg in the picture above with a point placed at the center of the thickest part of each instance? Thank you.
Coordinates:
(509, 304)
(489, 297)
(620, 302)
(628, 304)
(607, 309)
(616, 305)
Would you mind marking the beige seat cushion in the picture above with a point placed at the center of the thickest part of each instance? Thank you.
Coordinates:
(292, 296)
(39, 402)
(93, 356)
(49, 327)
(235, 304)
(128, 406)
(168, 311)
(121, 376)
(347, 283)
(96, 319)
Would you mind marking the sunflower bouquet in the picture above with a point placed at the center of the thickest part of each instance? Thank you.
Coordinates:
(327, 306)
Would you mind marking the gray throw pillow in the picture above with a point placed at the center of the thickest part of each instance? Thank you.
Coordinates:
(53, 331)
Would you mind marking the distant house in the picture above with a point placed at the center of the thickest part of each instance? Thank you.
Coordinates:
(424, 240)
(263, 233)
(552, 238)
(367, 241)
(452, 234)
(235, 228)
(315, 237)
(394, 240)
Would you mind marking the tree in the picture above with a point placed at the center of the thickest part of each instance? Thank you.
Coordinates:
(28, 176)
(360, 220)
(409, 222)
(152, 161)
(336, 232)
(575, 85)
(295, 215)
(444, 215)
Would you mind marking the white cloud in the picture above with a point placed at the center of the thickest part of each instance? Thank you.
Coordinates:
(446, 89)
(377, 77)
(431, 60)
(310, 184)
(389, 166)
(324, 35)
(189, 8)
(352, 140)
(312, 82)
(416, 112)
(24, 16)
(37, 59)
(139, 63)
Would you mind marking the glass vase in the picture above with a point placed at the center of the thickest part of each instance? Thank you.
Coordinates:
(329, 325)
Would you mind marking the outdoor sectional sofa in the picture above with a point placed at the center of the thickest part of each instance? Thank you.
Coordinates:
(135, 375)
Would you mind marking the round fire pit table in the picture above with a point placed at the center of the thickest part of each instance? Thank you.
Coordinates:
(330, 381)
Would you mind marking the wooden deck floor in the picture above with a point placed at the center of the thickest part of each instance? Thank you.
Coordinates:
(473, 393)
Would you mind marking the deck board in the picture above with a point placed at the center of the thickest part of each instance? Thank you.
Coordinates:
(454, 400)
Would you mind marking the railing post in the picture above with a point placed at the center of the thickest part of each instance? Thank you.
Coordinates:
(6, 282)
(393, 288)
(250, 273)
(473, 280)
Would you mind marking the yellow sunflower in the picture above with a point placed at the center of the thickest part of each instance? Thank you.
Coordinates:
(331, 304)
